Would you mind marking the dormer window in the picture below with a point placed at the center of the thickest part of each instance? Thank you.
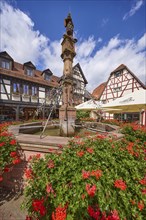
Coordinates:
(29, 68)
(29, 72)
(47, 77)
(5, 64)
(6, 61)
(47, 74)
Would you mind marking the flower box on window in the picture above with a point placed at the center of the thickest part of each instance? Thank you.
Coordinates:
(34, 97)
(26, 95)
(16, 93)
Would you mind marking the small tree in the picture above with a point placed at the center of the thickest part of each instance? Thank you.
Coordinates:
(82, 114)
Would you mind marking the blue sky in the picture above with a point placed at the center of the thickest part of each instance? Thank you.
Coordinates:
(109, 33)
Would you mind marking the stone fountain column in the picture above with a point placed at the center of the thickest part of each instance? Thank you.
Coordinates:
(67, 113)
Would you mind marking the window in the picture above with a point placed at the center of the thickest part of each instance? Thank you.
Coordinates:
(34, 91)
(5, 64)
(26, 89)
(117, 74)
(117, 89)
(104, 101)
(48, 93)
(78, 85)
(16, 87)
(47, 77)
(29, 72)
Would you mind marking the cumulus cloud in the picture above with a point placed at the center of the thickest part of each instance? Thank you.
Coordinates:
(137, 5)
(86, 47)
(20, 39)
(117, 51)
(18, 36)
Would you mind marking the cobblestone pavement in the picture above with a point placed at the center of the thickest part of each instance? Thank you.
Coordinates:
(10, 206)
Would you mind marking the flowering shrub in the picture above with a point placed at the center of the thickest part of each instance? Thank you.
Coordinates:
(83, 114)
(8, 150)
(112, 122)
(134, 132)
(88, 119)
(93, 178)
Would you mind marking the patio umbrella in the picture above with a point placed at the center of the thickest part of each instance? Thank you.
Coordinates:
(133, 102)
(94, 105)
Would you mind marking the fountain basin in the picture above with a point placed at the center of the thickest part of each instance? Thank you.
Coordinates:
(30, 128)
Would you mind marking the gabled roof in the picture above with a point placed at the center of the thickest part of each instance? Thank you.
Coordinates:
(47, 71)
(97, 92)
(29, 64)
(4, 54)
(78, 65)
(18, 72)
(121, 67)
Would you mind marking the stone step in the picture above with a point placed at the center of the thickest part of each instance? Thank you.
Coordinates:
(46, 141)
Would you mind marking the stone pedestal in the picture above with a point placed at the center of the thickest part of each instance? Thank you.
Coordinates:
(67, 113)
(67, 116)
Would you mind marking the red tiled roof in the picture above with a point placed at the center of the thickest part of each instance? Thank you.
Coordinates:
(97, 92)
(18, 72)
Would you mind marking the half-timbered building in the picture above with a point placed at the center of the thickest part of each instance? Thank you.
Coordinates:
(24, 89)
(80, 93)
(121, 81)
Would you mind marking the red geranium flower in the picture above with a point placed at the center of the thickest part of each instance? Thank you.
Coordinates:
(100, 136)
(38, 156)
(96, 173)
(85, 174)
(143, 181)
(13, 142)
(13, 154)
(28, 218)
(113, 215)
(16, 161)
(120, 184)
(28, 173)
(6, 134)
(132, 201)
(143, 191)
(1, 178)
(80, 153)
(91, 189)
(2, 144)
(6, 169)
(38, 206)
(51, 164)
(94, 212)
(90, 150)
(140, 205)
(60, 146)
(59, 214)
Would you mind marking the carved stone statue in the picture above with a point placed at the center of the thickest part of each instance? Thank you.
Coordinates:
(69, 25)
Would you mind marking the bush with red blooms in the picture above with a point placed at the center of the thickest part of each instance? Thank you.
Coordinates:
(93, 178)
(112, 122)
(8, 150)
